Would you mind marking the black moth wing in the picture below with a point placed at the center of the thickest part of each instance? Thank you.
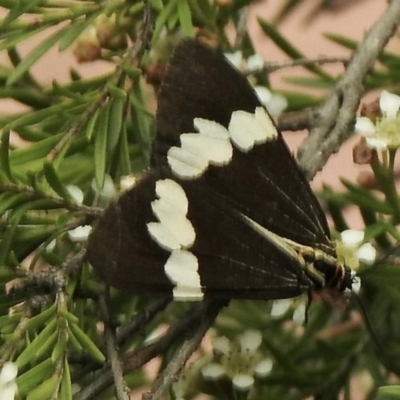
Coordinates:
(234, 260)
(266, 184)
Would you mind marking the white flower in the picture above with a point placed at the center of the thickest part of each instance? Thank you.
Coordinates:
(221, 344)
(366, 253)
(213, 371)
(8, 387)
(255, 62)
(242, 382)
(250, 341)
(238, 360)
(79, 234)
(297, 306)
(352, 237)
(263, 368)
(356, 285)
(51, 246)
(280, 307)
(352, 250)
(384, 133)
(127, 182)
(108, 190)
(235, 58)
(299, 314)
(188, 382)
(275, 103)
(76, 193)
(389, 104)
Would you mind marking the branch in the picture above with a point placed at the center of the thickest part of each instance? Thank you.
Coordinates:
(199, 317)
(112, 353)
(298, 62)
(297, 120)
(336, 115)
(141, 318)
(193, 336)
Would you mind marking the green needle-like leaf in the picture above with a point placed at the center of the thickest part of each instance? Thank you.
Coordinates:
(86, 343)
(100, 147)
(185, 18)
(55, 182)
(31, 350)
(34, 56)
(288, 48)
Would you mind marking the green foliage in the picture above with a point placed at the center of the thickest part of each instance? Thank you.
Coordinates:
(84, 131)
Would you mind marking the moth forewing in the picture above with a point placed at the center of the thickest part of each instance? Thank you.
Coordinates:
(225, 211)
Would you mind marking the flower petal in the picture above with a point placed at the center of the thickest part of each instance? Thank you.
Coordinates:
(80, 233)
(364, 126)
(376, 143)
(76, 193)
(352, 237)
(277, 105)
(242, 382)
(356, 286)
(213, 371)
(367, 253)
(263, 94)
(222, 345)
(255, 62)
(9, 392)
(299, 314)
(8, 373)
(250, 340)
(263, 368)
(235, 58)
(389, 104)
(127, 182)
(108, 190)
(51, 246)
(280, 307)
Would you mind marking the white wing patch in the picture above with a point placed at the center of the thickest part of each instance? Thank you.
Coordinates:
(185, 164)
(248, 129)
(182, 270)
(175, 233)
(212, 145)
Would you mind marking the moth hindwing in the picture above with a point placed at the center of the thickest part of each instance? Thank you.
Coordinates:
(225, 210)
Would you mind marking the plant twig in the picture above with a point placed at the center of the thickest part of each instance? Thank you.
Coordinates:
(134, 360)
(193, 337)
(336, 115)
(112, 354)
(139, 357)
(141, 319)
(297, 120)
(277, 66)
(241, 29)
(52, 280)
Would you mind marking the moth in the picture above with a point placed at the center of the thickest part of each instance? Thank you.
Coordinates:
(224, 211)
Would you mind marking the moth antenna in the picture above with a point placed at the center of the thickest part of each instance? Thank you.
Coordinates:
(308, 305)
(367, 322)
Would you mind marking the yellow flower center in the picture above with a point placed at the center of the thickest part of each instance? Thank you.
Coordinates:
(389, 131)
